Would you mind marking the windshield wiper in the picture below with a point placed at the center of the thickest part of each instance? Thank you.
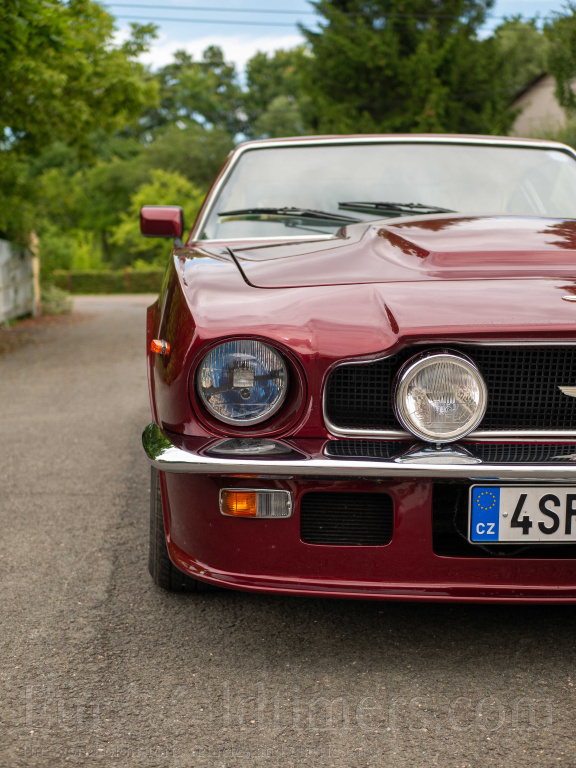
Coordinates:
(303, 213)
(393, 208)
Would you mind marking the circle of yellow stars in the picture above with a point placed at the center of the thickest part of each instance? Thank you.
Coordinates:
(491, 498)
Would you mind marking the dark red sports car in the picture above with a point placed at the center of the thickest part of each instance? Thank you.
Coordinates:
(363, 373)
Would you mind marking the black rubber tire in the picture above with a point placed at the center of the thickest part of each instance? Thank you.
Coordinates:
(162, 569)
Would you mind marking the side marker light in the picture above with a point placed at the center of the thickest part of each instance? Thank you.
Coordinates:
(160, 347)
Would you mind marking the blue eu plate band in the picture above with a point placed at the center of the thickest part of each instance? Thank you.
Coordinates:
(485, 513)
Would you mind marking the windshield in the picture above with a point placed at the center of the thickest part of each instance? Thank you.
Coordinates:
(468, 179)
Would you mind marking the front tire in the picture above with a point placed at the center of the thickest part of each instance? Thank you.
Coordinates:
(162, 569)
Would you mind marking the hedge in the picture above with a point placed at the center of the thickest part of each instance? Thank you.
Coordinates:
(109, 280)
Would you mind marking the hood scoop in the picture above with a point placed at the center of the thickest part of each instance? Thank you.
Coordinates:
(418, 248)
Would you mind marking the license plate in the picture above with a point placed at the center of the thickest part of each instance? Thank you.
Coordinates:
(522, 514)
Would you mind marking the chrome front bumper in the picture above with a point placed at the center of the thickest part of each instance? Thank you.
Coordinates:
(167, 457)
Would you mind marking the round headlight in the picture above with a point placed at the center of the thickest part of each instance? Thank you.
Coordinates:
(242, 382)
(439, 396)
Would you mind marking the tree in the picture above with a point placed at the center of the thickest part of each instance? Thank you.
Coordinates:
(62, 79)
(522, 51)
(72, 195)
(282, 117)
(61, 75)
(404, 65)
(166, 188)
(561, 34)
(194, 151)
(204, 92)
(274, 101)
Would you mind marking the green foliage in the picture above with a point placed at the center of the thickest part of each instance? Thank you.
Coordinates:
(61, 75)
(144, 281)
(522, 53)
(55, 301)
(165, 188)
(404, 65)
(86, 254)
(192, 150)
(88, 135)
(282, 117)
(62, 79)
(16, 207)
(205, 92)
(69, 249)
(275, 102)
(93, 198)
(562, 55)
(90, 281)
(109, 281)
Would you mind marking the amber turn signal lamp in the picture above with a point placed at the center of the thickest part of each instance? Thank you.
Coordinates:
(243, 502)
(160, 347)
(238, 503)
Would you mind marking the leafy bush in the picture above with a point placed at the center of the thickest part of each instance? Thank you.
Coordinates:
(72, 249)
(109, 280)
(166, 188)
(55, 301)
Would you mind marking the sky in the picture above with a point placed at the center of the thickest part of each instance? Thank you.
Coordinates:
(243, 27)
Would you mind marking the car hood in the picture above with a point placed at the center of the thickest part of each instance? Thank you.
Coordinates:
(346, 310)
(417, 248)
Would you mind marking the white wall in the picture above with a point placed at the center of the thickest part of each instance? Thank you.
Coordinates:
(16, 282)
(540, 112)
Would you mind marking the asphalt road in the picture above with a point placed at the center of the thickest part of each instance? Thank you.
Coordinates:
(99, 667)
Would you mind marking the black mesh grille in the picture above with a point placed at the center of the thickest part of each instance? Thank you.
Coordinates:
(356, 519)
(495, 453)
(523, 388)
(450, 525)
(519, 453)
(365, 449)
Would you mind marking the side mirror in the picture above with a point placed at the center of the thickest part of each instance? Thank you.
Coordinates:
(162, 221)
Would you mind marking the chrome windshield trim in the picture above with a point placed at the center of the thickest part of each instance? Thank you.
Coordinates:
(335, 140)
(399, 434)
(166, 457)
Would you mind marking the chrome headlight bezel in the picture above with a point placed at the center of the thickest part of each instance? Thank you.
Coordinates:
(414, 366)
(247, 347)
